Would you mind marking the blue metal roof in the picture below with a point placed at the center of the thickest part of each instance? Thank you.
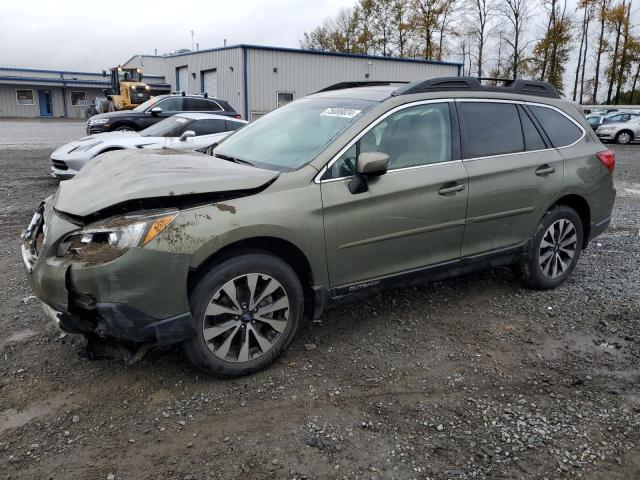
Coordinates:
(62, 72)
(300, 50)
(67, 81)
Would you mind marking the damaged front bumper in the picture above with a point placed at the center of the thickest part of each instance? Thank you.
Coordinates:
(140, 297)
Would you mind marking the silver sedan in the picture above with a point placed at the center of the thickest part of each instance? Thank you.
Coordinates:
(620, 132)
(185, 131)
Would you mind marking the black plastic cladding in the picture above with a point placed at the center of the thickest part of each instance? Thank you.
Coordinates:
(524, 87)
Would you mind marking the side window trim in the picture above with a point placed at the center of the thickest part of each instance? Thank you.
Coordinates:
(319, 176)
(526, 104)
(568, 117)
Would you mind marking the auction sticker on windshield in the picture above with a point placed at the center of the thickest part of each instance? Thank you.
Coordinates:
(341, 112)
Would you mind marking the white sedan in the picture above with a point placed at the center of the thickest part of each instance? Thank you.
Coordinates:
(185, 131)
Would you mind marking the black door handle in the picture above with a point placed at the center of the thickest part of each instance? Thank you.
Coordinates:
(544, 170)
(451, 188)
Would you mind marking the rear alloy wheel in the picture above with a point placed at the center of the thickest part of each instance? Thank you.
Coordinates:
(247, 311)
(558, 247)
(554, 250)
(624, 137)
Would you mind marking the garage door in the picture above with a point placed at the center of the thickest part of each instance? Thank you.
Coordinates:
(210, 83)
(182, 79)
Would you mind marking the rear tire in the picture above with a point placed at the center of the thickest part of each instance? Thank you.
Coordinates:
(247, 310)
(554, 250)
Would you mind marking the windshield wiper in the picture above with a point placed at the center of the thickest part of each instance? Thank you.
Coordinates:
(233, 159)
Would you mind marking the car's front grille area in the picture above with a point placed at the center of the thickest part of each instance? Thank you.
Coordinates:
(59, 164)
(138, 97)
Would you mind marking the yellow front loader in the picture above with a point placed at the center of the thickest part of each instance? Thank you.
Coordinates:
(127, 90)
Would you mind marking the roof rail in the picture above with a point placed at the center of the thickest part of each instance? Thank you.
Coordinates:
(525, 87)
(354, 84)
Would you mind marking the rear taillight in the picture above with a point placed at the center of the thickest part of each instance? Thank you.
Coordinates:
(237, 116)
(608, 159)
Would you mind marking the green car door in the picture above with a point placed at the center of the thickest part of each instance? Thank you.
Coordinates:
(514, 173)
(411, 217)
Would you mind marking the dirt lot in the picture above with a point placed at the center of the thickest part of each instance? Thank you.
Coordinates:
(475, 377)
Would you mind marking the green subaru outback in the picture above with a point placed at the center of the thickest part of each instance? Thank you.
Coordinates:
(352, 189)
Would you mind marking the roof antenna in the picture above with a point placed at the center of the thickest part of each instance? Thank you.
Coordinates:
(225, 42)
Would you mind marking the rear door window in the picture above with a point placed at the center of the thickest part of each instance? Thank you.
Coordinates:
(208, 126)
(560, 130)
(490, 129)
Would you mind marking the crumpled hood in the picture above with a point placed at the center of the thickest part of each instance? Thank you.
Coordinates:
(125, 175)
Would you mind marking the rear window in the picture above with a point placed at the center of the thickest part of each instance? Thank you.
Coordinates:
(560, 130)
(200, 105)
(490, 129)
(208, 126)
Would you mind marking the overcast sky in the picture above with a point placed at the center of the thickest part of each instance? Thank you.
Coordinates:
(91, 36)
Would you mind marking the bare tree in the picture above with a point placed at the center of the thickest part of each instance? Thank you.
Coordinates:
(585, 5)
(516, 12)
(615, 18)
(425, 22)
(400, 28)
(448, 10)
(625, 62)
(590, 13)
(481, 27)
(551, 52)
(603, 7)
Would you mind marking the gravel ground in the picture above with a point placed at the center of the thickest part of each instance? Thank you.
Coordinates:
(473, 378)
(35, 133)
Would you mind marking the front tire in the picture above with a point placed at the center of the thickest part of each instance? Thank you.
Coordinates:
(624, 137)
(555, 249)
(124, 128)
(247, 311)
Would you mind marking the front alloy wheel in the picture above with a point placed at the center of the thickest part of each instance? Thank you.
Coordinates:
(246, 310)
(623, 138)
(246, 317)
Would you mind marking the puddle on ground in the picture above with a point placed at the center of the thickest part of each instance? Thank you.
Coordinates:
(18, 337)
(12, 418)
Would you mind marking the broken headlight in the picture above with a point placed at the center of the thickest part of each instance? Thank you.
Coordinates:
(108, 239)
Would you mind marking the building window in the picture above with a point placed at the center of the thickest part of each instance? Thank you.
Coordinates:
(78, 99)
(24, 97)
(283, 98)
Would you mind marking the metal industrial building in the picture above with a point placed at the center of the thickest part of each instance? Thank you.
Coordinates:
(30, 92)
(257, 79)
(253, 79)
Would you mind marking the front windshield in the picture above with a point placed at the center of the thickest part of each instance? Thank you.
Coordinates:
(148, 104)
(132, 75)
(169, 127)
(294, 134)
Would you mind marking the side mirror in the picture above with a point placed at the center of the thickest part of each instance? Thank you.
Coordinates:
(187, 134)
(370, 164)
(155, 110)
